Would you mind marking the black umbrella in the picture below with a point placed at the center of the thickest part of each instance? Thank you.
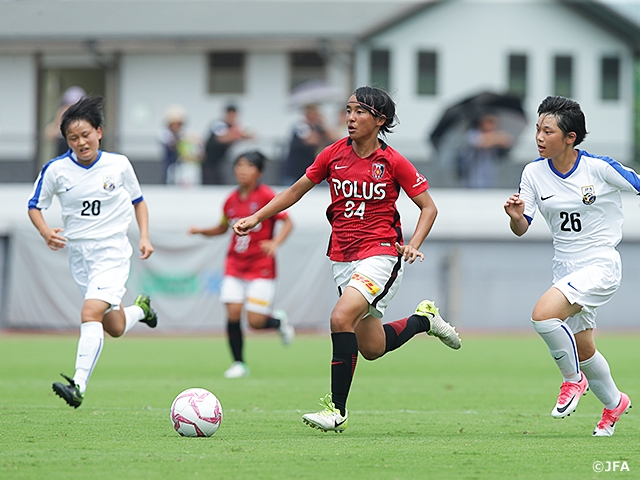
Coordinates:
(458, 118)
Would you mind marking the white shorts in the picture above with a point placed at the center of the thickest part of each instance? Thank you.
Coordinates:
(256, 295)
(101, 267)
(376, 278)
(589, 282)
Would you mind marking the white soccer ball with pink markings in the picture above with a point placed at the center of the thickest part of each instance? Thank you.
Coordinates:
(196, 412)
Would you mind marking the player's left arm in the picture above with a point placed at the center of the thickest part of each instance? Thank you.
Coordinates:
(428, 213)
(142, 217)
(269, 247)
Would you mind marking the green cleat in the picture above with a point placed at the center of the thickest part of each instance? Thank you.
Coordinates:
(439, 327)
(329, 418)
(69, 393)
(144, 302)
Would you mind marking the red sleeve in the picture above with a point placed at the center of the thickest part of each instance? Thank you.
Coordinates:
(411, 181)
(318, 170)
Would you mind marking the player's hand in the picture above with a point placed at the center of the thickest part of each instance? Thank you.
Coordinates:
(193, 231)
(146, 249)
(514, 207)
(53, 240)
(409, 253)
(243, 226)
(269, 248)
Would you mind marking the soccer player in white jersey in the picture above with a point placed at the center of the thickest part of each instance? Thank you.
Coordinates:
(578, 194)
(366, 246)
(96, 191)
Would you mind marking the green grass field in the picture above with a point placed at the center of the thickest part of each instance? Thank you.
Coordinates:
(423, 411)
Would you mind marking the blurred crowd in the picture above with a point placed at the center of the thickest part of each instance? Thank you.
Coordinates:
(471, 144)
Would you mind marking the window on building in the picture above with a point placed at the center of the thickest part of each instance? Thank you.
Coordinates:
(306, 66)
(518, 75)
(380, 63)
(427, 73)
(226, 72)
(610, 89)
(563, 82)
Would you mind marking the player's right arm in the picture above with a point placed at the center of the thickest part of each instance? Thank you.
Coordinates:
(51, 235)
(280, 202)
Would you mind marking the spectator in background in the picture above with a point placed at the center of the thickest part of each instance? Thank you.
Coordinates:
(308, 138)
(222, 135)
(479, 159)
(52, 131)
(182, 151)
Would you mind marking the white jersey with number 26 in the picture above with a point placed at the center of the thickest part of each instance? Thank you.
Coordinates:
(96, 199)
(583, 207)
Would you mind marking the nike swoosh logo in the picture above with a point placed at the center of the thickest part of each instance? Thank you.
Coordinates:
(547, 198)
(340, 167)
(569, 283)
(560, 357)
(562, 410)
(337, 423)
(337, 363)
(69, 188)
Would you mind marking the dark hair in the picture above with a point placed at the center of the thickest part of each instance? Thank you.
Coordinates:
(254, 157)
(379, 104)
(87, 108)
(231, 108)
(568, 114)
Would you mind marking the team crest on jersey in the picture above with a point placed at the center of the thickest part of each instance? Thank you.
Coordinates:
(377, 171)
(108, 183)
(588, 194)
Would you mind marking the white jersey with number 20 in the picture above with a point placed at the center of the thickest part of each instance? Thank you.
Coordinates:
(582, 207)
(96, 199)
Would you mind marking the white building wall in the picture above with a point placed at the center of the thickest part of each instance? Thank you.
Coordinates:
(474, 40)
(151, 83)
(17, 107)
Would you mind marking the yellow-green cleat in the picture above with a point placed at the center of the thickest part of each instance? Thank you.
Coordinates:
(439, 327)
(144, 302)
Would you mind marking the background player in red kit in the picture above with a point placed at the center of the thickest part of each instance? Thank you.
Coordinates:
(250, 268)
(366, 246)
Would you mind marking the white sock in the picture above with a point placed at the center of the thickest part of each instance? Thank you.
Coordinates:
(132, 314)
(601, 383)
(89, 348)
(562, 346)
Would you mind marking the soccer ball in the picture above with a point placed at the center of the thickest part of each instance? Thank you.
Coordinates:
(196, 412)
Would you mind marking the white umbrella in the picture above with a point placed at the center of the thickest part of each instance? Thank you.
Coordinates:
(315, 91)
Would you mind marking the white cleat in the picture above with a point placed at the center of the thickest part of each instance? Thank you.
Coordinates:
(439, 327)
(607, 425)
(237, 370)
(570, 394)
(327, 419)
(287, 332)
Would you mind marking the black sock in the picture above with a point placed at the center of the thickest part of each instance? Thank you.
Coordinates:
(343, 365)
(272, 323)
(234, 334)
(401, 331)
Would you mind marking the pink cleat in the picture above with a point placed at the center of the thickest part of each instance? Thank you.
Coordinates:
(569, 397)
(607, 425)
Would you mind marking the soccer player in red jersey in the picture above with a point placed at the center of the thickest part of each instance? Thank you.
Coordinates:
(250, 268)
(366, 246)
